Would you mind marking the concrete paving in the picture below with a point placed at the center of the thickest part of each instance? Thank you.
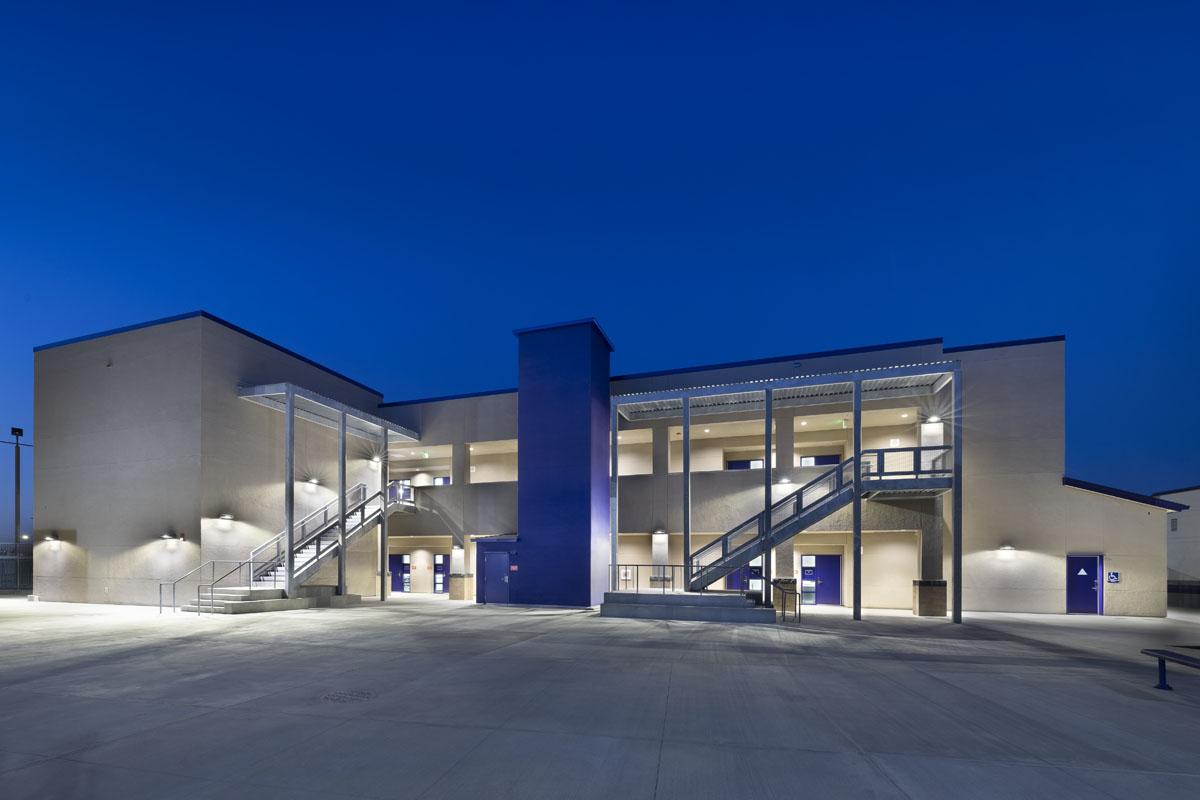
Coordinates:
(427, 698)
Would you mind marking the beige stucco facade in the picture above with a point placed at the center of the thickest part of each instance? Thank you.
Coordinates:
(142, 432)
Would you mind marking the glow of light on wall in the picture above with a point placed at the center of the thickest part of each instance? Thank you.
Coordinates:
(1006, 552)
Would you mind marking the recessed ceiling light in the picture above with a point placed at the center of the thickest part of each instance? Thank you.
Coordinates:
(803, 422)
(904, 416)
(706, 430)
(618, 438)
(472, 449)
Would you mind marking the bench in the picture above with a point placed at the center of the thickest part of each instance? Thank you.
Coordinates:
(1163, 657)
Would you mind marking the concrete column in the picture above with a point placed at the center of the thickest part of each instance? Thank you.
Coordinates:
(785, 439)
(660, 449)
(460, 464)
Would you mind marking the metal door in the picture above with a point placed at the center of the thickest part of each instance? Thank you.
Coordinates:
(495, 577)
(395, 561)
(1084, 587)
(821, 580)
(441, 568)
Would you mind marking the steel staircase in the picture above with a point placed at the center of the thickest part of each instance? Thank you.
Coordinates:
(801, 509)
(316, 536)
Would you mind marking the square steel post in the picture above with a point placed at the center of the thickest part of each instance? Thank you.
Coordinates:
(857, 497)
(342, 504)
(687, 492)
(768, 399)
(383, 535)
(289, 491)
(957, 494)
(613, 528)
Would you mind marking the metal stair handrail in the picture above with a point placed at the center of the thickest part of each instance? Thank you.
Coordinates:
(363, 523)
(302, 525)
(174, 606)
(750, 532)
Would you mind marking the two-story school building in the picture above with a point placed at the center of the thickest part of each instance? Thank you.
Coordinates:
(190, 461)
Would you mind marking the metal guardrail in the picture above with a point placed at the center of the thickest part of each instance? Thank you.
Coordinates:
(16, 565)
(662, 578)
(877, 464)
(908, 462)
(749, 535)
(212, 565)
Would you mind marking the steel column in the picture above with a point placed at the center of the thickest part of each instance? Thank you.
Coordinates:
(342, 504)
(687, 490)
(613, 527)
(857, 497)
(289, 490)
(768, 399)
(957, 494)
(383, 535)
(17, 490)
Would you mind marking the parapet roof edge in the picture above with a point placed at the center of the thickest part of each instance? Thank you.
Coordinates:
(585, 321)
(759, 361)
(1134, 497)
(1176, 491)
(463, 396)
(1009, 343)
(219, 321)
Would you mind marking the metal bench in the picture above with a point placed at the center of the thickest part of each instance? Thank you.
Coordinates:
(1163, 657)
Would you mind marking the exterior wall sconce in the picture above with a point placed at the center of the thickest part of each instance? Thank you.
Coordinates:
(172, 537)
(785, 480)
(51, 537)
(311, 484)
(456, 547)
(225, 522)
(25, 537)
(1006, 552)
(935, 418)
(376, 461)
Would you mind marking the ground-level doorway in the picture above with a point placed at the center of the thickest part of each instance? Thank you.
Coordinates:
(1085, 587)
(820, 580)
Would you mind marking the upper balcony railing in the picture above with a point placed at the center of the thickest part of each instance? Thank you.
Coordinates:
(930, 461)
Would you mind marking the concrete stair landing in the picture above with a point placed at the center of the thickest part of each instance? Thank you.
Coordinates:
(687, 606)
(242, 600)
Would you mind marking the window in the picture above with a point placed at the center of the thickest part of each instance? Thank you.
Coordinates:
(442, 481)
(751, 463)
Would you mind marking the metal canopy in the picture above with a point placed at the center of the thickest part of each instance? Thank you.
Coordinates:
(907, 381)
(327, 412)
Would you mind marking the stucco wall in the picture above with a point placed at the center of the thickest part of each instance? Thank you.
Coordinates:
(118, 463)
(1183, 544)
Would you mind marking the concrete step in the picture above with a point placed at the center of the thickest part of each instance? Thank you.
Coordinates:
(252, 606)
(704, 613)
(707, 599)
(246, 593)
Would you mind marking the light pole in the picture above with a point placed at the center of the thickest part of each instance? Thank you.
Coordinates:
(17, 433)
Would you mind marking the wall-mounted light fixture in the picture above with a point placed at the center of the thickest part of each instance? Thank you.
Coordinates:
(935, 418)
(50, 537)
(171, 537)
(225, 522)
(1005, 552)
(785, 480)
(456, 547)
(25, 536)
(311, 484)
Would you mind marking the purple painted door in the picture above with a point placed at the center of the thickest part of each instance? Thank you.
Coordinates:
(821, 580)
(495, 577)
(738, 580)
(1083, 584)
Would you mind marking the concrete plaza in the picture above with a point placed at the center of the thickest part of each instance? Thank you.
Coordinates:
(424, 697)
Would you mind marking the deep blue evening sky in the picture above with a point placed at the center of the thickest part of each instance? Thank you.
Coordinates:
(391, 190)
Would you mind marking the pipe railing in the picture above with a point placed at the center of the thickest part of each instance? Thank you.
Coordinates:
(175, 583)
